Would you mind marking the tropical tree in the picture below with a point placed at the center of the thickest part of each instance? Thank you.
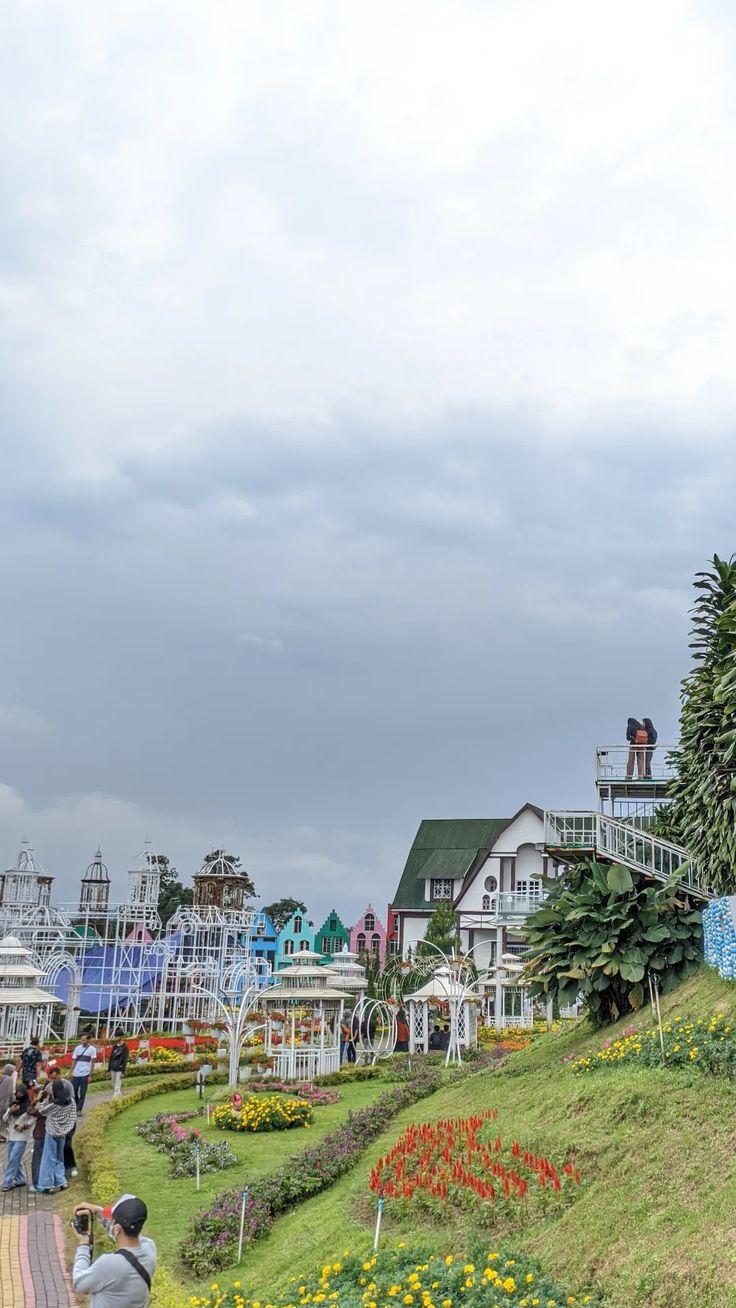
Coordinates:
(602, 930)
(702, 812)
(441, 931)
(282, 909)
(172, 894)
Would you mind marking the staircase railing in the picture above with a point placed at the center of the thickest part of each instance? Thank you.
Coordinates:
(622, 843)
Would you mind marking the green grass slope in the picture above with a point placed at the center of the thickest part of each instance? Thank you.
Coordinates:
(654, 1223)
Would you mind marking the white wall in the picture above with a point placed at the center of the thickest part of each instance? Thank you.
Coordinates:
(414, 929)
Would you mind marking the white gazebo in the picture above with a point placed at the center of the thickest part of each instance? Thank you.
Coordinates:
(303, 1014)
(461, 1003)
(350, 974)
(512, 1005)
(25, 1009)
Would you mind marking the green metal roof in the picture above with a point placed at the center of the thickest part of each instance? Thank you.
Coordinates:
(444, 847)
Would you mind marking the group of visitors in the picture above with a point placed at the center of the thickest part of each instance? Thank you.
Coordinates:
(439, 1037)
(39, 1104)
(642, 738)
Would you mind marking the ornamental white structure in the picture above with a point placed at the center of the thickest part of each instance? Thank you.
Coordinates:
(303, 1014)
(25, 1009)
(449, 993)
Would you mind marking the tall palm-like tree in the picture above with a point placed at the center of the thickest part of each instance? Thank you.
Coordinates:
(702, 814)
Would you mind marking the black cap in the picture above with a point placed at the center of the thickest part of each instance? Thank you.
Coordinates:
(130, 1213)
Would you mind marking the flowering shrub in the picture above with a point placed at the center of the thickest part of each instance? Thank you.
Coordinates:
(459, 1161)
(264, 1113)
(394, 1277)
(707, 1043)
(168, 1136)
(348, 1074)
(160, 1054)
(314, 1094)
(210, 1245)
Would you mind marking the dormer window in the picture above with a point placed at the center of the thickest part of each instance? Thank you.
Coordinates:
(441, 888)
(370, 922)
(297, 926)
(333, 925)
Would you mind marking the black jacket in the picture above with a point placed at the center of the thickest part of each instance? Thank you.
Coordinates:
(632, 726)
(118, 1060)
(649, 727)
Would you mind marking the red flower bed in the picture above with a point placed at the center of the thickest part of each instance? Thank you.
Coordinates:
(461, 1162)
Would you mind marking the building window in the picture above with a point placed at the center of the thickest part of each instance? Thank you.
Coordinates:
(535, 888)
(396, 921)
(369, 922)
(376, 944)
(303, 944)
(490, 884)
(261, 928)
(522, 887)
(297, 926)
(333, 925)
(360, 942)
(486, 903)
(288, 946)
(442, 888)
(393, 946)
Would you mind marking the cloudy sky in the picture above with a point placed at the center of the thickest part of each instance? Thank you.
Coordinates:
(367, 395)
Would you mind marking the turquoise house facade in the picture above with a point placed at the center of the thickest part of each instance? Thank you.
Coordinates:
(295, 936)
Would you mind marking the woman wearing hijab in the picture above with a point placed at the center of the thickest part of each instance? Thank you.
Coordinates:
(7, 1092)
(18, 1124)
(61, 1117)
(648, 726)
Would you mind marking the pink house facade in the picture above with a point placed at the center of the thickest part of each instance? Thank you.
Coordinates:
(368, 936)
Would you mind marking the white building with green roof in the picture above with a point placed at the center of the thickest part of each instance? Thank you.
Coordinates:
(490, 869)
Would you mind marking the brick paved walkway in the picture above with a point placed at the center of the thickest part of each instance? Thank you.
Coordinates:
(33, 1265)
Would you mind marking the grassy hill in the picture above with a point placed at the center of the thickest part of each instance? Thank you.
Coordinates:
(654, 1224)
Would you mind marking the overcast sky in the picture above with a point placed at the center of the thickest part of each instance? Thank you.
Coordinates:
(367, 395)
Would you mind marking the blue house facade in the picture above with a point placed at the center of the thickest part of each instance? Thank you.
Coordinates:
(264, 940)
(293, 938)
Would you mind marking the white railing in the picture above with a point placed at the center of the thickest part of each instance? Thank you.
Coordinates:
(507, 906)
(626, 763)
(622, 843)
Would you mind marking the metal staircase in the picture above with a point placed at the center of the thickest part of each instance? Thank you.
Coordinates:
(570, 835)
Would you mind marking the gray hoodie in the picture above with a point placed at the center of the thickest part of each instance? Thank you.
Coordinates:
(111, 1280)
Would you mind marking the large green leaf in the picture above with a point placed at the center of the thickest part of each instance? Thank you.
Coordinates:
(632, 971)
(619, 879)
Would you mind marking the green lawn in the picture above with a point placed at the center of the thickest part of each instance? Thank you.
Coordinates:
(653, 1226)
(173, 1202)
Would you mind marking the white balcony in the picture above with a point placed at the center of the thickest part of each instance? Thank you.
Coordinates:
(505, 909)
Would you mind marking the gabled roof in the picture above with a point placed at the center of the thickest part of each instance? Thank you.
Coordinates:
(443, 847)
(449, 847)
(472, 871)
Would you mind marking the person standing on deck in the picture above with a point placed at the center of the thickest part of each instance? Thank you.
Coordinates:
(649, 727)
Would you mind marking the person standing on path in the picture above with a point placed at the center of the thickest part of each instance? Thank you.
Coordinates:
(61, 1118)
(121, 1279)
(29, 1060)
(6, 1096)
(39, 1138)
(117, 1064)
(19, 1129)
(83, 1060)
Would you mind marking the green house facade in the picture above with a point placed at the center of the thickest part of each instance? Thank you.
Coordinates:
(333, 936)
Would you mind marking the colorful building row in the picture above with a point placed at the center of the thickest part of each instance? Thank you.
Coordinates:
(367, 936)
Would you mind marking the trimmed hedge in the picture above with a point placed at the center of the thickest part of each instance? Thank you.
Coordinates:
(105, 1184)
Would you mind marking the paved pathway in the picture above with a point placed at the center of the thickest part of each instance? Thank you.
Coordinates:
(33, 1268)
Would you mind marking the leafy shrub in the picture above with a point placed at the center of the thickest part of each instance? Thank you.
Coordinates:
(264, 1113)
(475, 1278)
(211, 1244)
(348, 1075)
(708, 1044)
(166, 1134)
(601, 930)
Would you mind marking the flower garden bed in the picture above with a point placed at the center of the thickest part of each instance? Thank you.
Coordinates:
(708, 1044)
(316, 1095)
(210, 1246)
(461, 1161)
(411, 1275)
(185, 1146)
(264, 1113)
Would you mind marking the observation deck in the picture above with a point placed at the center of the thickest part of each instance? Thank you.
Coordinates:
(618, 771)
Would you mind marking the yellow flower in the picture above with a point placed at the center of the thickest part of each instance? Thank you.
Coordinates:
(447, 1303)
(529, 1278)
(449, 1260)
(468, 1268)
(337, 1267)
(408, 1298)
(509, 1285)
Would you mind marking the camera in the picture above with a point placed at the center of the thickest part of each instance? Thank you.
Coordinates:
(80, 1223)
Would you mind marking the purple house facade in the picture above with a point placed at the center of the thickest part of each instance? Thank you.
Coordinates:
(368, 936)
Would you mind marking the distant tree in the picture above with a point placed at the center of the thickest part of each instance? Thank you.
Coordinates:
(441, 931)
(172, 895)
(282, 909)
(216, 854)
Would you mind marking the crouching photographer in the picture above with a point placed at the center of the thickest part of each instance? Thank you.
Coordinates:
(121, 1279)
